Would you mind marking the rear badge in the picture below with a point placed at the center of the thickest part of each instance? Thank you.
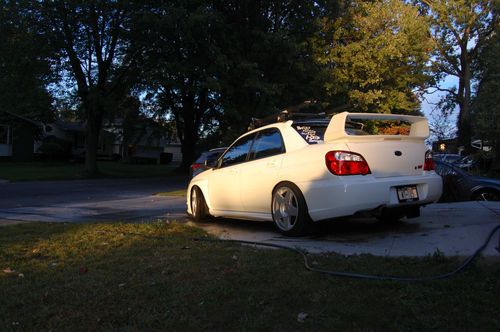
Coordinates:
(398, 153)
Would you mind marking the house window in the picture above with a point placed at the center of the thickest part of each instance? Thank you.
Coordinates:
(4, 134)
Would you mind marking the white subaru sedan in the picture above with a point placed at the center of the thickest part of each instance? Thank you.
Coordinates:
(298, 172)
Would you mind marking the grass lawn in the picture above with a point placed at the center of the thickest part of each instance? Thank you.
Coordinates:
(179, 193)
(29, 171)
(155, 277)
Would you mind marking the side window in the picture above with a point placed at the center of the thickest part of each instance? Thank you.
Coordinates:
(268, 143)
(238, 152)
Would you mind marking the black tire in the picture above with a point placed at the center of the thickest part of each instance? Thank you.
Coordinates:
(199, 208)
(289, 210)
(486, 195)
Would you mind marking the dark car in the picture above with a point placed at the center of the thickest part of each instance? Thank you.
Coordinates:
(447, 157)
(210, 156)
(458, 185)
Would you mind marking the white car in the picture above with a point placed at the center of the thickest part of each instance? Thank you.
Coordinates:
(303, 171)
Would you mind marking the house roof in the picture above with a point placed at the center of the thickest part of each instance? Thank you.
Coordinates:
(21, 118)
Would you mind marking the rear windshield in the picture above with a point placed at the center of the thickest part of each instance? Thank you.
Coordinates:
(312, 133)
(315, 133)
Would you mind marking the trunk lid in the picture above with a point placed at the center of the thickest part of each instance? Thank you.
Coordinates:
(386, 155)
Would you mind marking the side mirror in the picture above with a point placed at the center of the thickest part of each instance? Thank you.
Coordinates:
(210, 163)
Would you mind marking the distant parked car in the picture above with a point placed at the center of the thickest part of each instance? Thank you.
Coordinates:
(466, 163)
(210, 156)
(458, 185)
(447, 157)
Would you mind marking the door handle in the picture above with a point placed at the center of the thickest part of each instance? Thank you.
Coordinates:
(271, 164)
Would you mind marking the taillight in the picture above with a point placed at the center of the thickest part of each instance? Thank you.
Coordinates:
(195, 166)
(346, 163)
(428, 163)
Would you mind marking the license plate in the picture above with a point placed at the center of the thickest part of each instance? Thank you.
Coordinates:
(407, 193)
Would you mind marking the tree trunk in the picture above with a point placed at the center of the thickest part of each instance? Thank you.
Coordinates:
(464, 101)
(190, 134)
(93, 128)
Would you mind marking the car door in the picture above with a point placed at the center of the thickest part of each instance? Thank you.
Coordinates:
(223, 182)
(258, 175)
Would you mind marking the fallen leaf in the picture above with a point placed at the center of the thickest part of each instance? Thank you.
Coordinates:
(301, 317)
(122, 285)
(235, 257)
(8, 270)
(21, 275)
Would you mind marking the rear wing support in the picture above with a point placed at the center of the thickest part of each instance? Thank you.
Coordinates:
(336, 128)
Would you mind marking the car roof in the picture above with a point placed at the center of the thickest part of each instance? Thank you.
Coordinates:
(217, 149)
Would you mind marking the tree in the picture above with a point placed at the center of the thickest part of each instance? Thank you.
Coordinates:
(213, 65)
(25, 72)
(269, 56)
(375, 56)
(92, 42)
(459, 29)
(485, 108)
(181, 69)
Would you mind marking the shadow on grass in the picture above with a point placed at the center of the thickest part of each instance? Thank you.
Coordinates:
(155, 277)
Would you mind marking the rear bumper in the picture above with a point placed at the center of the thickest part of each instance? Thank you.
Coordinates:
(333, 196)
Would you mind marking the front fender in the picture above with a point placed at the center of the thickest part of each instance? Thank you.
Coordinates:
(202, 183)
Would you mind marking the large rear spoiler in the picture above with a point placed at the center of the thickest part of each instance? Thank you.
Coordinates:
(336, 129)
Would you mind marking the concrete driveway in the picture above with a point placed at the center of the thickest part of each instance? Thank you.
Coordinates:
(452, 229)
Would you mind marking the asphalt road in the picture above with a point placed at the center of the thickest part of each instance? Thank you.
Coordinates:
(85, 200)
(450, 229)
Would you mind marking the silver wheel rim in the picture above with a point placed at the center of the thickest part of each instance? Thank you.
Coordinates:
(194, 202)
(486, 196)
(285, 208)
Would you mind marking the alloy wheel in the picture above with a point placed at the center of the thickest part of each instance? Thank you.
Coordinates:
(285, 208)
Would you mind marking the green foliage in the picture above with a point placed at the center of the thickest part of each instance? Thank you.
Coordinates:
(486, 104)
(213, 65)
(24, 70)
(91, 42)
(376, 55)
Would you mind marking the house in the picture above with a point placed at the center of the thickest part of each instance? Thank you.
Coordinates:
(143, 139)
(17, 137)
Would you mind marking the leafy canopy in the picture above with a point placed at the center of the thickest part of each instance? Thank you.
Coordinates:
(376, 55)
